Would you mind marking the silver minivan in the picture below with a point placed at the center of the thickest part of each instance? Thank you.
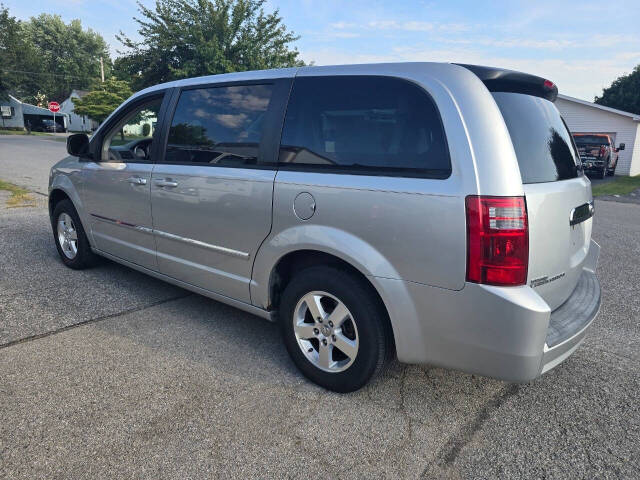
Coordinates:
(433, 212)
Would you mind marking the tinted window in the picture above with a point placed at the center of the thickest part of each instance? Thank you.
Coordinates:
(540, 138)
(368, 125)
(218, 125)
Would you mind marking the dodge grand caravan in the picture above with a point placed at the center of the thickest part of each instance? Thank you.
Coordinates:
(433, 212)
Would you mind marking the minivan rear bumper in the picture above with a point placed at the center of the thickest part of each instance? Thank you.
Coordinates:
(508, 333)
(568, 323)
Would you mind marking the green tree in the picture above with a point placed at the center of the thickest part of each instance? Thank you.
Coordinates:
(103, 99)
(624, 93)
(185, 134)
(69, 53)
(18, 57)
(45, 54)
(187, 38)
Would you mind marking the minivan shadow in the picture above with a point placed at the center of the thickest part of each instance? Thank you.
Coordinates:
(250, 350)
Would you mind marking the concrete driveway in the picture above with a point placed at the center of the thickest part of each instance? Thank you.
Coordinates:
(107, 373)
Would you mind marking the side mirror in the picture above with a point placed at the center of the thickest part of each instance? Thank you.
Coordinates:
(78, 145)
(621, 147)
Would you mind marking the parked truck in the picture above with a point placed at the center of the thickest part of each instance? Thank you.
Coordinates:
(597, 153)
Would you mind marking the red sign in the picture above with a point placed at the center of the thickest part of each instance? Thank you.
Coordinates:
(54, 107)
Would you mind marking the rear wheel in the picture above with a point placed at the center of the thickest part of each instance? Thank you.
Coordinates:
(333, 328)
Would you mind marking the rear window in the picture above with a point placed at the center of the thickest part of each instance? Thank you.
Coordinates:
(363, 125)
(591, 139)
(540, 138)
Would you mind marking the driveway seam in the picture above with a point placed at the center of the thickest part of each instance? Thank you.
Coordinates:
(90, 321)
(464, 436)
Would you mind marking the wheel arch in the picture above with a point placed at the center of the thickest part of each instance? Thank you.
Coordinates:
(63, 188)
(56, 196)
(297, 260)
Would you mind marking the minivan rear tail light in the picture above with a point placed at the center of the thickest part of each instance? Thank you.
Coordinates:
(497, 240)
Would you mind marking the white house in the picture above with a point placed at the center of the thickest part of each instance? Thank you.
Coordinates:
(11, 112)
(77, 123)
(138, 128)
(624, 127)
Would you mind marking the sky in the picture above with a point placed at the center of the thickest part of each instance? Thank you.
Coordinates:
(580, 45)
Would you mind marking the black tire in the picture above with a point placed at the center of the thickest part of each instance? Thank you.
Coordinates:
(84, 257)
(366, 312)
(612, 171)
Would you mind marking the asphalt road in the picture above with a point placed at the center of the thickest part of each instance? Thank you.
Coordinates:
(26, 160)
(107, 373)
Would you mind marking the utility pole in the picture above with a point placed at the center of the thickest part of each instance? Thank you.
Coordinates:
(101, 70)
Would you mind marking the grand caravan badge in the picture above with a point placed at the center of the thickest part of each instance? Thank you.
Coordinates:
(536, 282)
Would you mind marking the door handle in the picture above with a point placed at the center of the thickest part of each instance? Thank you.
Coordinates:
(137, 180)
(166, 183)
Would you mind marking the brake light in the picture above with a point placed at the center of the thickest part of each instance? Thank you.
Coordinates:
(548, 84)
(497, 240)
(602, 150)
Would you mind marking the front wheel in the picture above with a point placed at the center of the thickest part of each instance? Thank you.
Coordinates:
(334, 328)
(71, 240)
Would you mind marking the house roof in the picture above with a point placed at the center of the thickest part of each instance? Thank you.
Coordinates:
(29, 109)
(633, 116)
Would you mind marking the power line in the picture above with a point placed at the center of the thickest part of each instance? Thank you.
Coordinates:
(40, 73)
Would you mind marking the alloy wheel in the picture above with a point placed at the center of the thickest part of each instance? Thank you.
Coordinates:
(325, 331)
(67, 236)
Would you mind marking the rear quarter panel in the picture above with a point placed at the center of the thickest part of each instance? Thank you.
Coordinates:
(386, 227)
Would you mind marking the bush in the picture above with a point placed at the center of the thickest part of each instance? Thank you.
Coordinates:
(146, 129)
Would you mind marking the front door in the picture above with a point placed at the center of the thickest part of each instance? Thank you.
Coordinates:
(117, 185)
(211, 194)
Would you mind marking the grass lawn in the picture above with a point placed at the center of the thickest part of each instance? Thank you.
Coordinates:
(21, 132)
(19, 196)
(619, 186)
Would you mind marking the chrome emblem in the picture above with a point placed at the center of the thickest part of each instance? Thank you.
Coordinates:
(537, 282)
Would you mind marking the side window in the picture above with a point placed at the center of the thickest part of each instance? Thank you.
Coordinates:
(218, 125)
(131, 139)
(365, 125)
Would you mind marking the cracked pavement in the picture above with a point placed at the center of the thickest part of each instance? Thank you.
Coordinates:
(108, 373)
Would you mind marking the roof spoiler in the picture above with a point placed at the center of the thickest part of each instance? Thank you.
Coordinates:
(502, 80)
